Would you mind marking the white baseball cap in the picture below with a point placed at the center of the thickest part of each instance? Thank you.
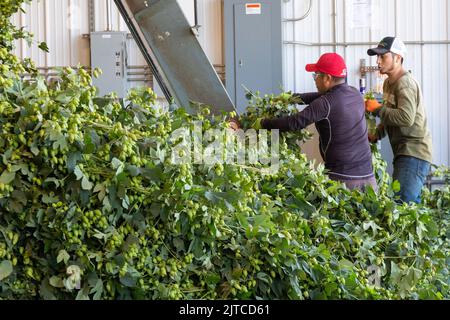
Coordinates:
(389, 44)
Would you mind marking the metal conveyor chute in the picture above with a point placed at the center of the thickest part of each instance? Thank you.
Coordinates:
(174, 54)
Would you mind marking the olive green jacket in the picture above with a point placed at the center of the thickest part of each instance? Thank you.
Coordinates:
(404, 119)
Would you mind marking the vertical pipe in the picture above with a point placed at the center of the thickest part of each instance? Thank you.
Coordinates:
(91, 14)
(108, 16)
(396, 18)
(335, 27)
(222, 31)
(195, 13)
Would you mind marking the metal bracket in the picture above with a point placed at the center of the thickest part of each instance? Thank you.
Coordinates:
(363, 69)
(195, 28)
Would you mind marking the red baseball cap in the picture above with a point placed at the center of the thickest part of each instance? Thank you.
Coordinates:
(329, 63)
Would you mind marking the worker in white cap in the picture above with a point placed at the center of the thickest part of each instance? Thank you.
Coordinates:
(403, 119)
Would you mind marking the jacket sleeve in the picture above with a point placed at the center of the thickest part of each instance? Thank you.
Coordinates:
(308, 97)
(317, 110)
(405, 113)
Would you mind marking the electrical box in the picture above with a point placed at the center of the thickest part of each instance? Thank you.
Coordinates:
(253, 48)
(109, 53)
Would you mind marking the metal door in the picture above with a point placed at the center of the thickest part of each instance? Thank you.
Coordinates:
(253, 52)
(252, 48)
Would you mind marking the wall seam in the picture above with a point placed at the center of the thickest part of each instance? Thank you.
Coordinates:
(448, 81)
(294, 51)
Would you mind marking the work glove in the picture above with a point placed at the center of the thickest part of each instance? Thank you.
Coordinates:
(373, 106)
(375, 137)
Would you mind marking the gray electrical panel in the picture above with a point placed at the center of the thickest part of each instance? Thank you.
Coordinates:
(109, 53)
(253, 48)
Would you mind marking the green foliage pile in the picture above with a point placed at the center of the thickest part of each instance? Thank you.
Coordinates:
(92, 207)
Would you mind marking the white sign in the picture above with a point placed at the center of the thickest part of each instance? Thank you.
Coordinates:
(253, 8)
(361, 13)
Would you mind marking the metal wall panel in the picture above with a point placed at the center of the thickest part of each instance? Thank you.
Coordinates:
(211, 35)
(435, 82)
(64, 24)
(61, 24)
(447, 80)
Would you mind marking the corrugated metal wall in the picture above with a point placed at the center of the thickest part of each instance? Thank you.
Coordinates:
(328, 27)
(65, 25)
(209, 17)
(60, 23)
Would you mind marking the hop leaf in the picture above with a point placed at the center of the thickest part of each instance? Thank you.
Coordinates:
(43, 46)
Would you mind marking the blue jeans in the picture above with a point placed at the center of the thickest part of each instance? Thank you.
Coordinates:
(411, 173)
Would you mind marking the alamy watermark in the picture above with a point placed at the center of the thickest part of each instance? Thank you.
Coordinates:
(194, 145)
(374, 278)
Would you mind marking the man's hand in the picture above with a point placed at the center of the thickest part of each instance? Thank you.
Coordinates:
(296, 99)
(373, 138)
(287, 98)
(234, 124)
(372, 105)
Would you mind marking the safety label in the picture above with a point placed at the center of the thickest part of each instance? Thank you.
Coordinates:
(253, 8)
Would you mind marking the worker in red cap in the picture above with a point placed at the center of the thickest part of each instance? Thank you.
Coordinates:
(337, 110)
